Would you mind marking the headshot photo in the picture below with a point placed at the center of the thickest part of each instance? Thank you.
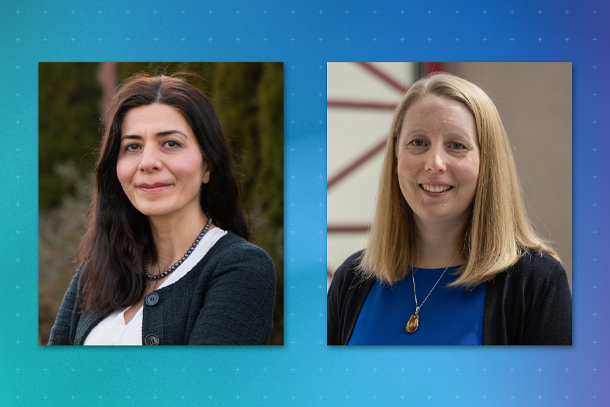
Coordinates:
(161, 215)
(449, 204)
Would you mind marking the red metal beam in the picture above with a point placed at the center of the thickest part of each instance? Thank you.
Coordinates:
(401, 87)
(107, 78)
(356, 163)
(367, 155)
(347, 228)
(351, 104)
(429, 67)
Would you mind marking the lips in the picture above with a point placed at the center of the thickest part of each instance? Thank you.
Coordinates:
(156, 187)
(435, 188)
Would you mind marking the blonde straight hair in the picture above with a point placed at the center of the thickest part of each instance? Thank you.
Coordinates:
(498, 232)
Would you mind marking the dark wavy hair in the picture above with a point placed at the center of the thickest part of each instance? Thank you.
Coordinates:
(118, 240)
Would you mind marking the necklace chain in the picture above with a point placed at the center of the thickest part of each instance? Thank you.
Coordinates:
(186, 255)
(415, 293)
(413, 323)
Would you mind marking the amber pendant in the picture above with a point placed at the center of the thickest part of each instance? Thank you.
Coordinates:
(413, 323)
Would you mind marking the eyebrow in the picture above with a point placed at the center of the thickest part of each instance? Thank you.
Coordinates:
(160, 134)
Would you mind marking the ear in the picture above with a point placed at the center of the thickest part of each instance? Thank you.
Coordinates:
(207, 172)
(206, 176)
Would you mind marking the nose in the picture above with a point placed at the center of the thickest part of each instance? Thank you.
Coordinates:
(436, 160)
(149, 159)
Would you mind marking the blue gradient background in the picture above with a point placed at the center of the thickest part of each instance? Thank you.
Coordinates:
(305, 37)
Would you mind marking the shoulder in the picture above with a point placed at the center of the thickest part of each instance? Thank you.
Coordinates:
(346, 295)
(347, 272)
(535, 273)
(238, 248)
(231, 241)
(234, 253)
(67, 319)
(535, 267)
(529, 303)
(347, 280)
(540, 262)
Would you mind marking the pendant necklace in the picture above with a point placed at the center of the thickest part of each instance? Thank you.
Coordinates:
(413, 323)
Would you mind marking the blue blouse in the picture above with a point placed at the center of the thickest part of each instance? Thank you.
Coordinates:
(450, 316)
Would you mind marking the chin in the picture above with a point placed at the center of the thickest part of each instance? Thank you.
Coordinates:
(152, 211)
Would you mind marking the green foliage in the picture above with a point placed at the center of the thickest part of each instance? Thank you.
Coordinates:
(59, 230)
(69, 119)
(248, 98)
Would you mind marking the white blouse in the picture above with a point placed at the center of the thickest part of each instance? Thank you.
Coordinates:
(114, 331)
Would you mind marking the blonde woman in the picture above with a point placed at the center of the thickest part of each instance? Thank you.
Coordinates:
(452, 258)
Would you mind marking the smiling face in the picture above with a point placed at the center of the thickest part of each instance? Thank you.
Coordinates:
(438, 161)
(160, 165)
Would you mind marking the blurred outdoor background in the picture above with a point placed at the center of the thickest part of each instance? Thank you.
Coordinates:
(535, 104)
(249, 100)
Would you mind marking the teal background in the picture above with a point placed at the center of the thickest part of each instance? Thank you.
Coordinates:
(305, 36)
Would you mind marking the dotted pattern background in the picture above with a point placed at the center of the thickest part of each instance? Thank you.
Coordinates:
(305, 36)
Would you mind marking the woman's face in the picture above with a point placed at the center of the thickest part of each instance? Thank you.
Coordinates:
(160, 165)
(438, 161)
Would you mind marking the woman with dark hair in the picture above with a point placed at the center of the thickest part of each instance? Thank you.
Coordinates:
(452, 258)
(165, 259)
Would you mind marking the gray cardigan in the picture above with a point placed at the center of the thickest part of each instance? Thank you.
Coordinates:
(226, 299)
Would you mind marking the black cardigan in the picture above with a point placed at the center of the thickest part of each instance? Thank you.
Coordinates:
(226, 299)
(528, 304)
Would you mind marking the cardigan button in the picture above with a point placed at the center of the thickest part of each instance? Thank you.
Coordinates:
(151, 299)
(151, 340)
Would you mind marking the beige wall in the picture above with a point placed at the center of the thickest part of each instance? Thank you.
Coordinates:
(535, 103)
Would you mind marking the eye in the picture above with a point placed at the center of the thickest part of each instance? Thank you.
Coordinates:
(417, 143)
(456, 146)
(131, 147)
(171, 144)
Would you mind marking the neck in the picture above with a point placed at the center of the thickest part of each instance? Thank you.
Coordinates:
(438, 245)
(174, 236)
